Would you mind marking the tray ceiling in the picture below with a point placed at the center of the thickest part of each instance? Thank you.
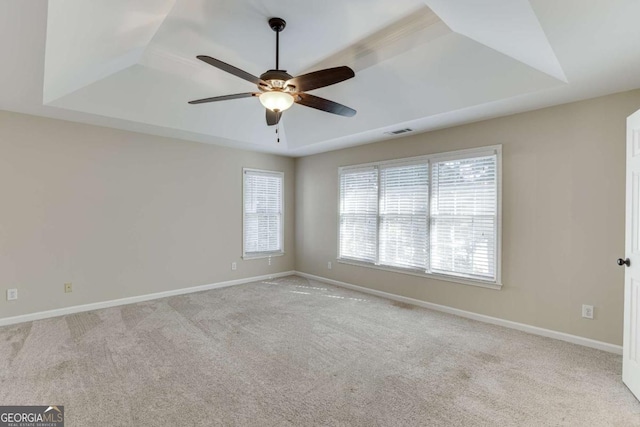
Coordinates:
(423, 64)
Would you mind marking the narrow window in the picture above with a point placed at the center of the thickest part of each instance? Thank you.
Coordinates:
(464, 217)
(404, 213)
(359, 214)
(263, 220)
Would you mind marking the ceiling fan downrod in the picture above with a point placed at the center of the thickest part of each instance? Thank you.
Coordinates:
(277, 25)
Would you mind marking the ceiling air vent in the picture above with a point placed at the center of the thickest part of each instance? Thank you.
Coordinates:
(399, 131)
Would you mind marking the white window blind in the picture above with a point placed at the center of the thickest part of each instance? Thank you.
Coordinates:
(404, 202)
(464, 217)
(436, 214)
(263, 203)
(359, 214)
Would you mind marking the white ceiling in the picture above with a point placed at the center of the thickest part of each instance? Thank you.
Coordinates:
(424, 64)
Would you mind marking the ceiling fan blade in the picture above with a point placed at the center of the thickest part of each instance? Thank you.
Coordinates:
(231, 70)
(321, 78)
(324, 104)
(224, 98)
(272, 117)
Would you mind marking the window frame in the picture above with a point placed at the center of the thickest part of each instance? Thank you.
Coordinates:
(266, 254)
(430, 158)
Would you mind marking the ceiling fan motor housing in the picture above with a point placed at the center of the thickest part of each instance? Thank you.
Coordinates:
(275, 78)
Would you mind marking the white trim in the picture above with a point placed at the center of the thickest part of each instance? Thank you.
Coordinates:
(499, 215)
(131, 300)
(574, 339)
(445, 277)
(262, 255)
(488, 150)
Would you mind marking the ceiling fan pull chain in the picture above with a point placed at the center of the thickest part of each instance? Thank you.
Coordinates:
(278, 132)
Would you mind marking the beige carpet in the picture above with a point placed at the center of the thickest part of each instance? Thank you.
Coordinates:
(297, 352)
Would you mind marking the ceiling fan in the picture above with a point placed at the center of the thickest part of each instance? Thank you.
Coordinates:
(278, 90)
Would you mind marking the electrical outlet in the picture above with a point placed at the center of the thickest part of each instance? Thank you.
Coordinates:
(12, 294)
(234, 266)
(269, 260)
(68, 287)
(329, 265)
(587, 311)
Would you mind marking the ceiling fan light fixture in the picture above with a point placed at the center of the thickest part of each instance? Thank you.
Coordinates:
(279, 90)
(276, 100)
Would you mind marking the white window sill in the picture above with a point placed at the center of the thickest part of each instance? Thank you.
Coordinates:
(262, 255)
(461, 280)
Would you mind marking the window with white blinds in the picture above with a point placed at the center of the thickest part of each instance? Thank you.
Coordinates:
(437, 214)
(262, 205)
(404, 203)
(359, 214)
(464, 217)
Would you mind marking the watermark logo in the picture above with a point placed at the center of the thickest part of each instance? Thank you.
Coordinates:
(32, 416)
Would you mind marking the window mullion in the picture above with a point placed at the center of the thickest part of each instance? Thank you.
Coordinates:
(378, 218)
(430, 200)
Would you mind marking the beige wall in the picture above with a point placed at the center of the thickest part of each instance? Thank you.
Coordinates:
(563, 216)
(120, 214)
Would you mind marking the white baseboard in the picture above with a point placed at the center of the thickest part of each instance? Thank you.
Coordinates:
(131, 300)
(587, 342)
(574, 339)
